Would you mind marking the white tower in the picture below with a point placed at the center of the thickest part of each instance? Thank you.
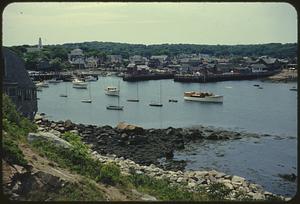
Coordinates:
(40, 46)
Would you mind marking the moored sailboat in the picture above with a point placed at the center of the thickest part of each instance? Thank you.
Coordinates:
(157, 104)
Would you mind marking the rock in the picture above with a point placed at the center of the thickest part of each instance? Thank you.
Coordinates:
(169, 154)
(38, 117)
(68, 125)
(289, 177)
(74, 132)
(192, 184)
(46, 136)
(179, 180)
(228, 185)
(130, 128)
(237, 179)
(147, 197)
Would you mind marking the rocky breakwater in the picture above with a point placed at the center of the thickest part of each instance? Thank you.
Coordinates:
(144, 146)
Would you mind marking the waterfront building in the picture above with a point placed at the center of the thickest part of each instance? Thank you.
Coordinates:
(76, 58)
(18, 85)
(256, 68)
(137, 59)
(115, 59)
(91, 62)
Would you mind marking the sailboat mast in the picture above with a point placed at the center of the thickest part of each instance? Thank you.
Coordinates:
(137, 90)
(90, 91)
(119, 93)
(160, 92)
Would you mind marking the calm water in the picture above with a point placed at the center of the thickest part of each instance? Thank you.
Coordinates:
(271, 110)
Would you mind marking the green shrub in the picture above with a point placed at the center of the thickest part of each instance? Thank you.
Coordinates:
(161, 188)
(110, 174)
(9, 111)
(74, 158)
(12, 153)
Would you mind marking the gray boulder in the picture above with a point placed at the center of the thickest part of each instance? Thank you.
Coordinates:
(46, 136)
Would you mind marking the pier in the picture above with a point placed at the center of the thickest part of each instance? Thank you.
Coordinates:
(222, 77)
(144, 77)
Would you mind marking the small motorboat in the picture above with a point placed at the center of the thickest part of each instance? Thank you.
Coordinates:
(112, 91)
(90, 78)
(54, 81)
(293, 89)
(173, 100)
(256, 85)
(63, 95)
(86, 101)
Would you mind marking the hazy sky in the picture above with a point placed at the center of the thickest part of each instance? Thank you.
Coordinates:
(149, 23)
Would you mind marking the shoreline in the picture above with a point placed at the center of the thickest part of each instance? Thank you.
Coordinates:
(143, 148)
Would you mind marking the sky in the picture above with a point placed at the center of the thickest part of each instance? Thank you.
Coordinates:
(149, 23)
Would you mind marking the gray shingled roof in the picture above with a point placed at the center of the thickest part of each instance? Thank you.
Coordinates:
(15, 69)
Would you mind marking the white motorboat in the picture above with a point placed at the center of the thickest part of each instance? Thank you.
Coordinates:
(116, 107)
(78, 84)
(42, 84)
(90, 78)
(112, 91)
(202, 97)
(54, 81)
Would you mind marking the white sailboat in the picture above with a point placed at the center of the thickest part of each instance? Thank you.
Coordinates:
(137, 95)
(157, 104)
(90, 97)
(115, 107)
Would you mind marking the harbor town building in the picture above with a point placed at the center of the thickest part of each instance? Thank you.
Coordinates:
(18, 85)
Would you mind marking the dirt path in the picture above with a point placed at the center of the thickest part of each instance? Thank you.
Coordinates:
(110, 193)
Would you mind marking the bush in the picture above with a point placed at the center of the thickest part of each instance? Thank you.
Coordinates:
(9, 110)
(110, 174)
(12, 153)
(162, 188)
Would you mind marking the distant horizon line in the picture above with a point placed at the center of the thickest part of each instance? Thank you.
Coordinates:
(151, 44)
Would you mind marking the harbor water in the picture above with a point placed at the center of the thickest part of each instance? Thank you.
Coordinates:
(271, 110)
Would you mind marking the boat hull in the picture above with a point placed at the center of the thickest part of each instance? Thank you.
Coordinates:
(81, 86)
(112, 93)
(212, 99)
(156, 104)
(114, 107)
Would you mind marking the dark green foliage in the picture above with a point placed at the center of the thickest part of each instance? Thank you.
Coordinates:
(110, 174)
(218, 191)
(11, 152)
(9, 110)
